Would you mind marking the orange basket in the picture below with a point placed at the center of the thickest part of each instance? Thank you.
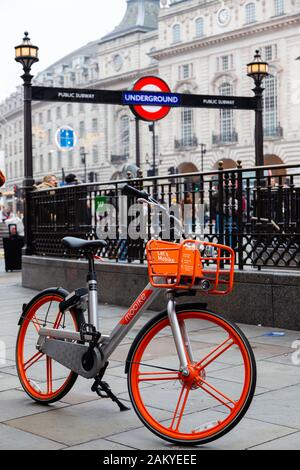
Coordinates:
(191, 264)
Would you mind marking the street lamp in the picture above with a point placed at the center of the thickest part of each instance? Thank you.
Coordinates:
(27, 54)
(258, 70)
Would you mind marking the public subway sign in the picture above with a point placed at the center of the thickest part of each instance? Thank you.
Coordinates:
(151, 98)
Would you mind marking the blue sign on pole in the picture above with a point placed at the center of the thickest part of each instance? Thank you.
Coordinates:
(66, 138)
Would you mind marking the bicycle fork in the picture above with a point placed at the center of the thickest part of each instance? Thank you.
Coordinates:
(180, 336)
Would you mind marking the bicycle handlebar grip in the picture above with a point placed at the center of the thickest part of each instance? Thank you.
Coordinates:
(130, 191)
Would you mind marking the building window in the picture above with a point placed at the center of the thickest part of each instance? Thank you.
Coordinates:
(70, 109)
(20, 167)
(95, 125)
(185, 71)
(59, 160)
(49, 116)
(81, 129)
(41, 163)
(270, 106)
(16, 169)
(81, 108)
(95, 154)
(176, 33)
(41, 118)
(187, 119)
(270, 52)
(199, 24)
(279, 7)
(124, 135)
(50, 161)
(225, 63)
(250, 13)
(226, 115)
(49, 136)
(58, 113)
(70, 159)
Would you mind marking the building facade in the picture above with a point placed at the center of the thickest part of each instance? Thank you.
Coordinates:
(196, 46)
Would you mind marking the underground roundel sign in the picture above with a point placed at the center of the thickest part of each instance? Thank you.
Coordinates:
(156, 91)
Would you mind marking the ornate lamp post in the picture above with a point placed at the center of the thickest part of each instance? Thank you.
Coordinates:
(258, 70)
(27, 55)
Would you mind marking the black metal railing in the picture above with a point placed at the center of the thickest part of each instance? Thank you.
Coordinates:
(236, 207)
(225, 138)
(186, 142)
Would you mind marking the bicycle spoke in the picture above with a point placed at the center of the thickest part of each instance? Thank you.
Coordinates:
(182, 408)
(225, 403)
(33, 360)
(58, 321)
(36, 323)
(49, 374)
(215, 353)
(157, 376)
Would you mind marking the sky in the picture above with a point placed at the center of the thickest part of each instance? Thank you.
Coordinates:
(57, 27)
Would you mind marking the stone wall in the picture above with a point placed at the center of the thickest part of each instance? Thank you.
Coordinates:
(269, 298)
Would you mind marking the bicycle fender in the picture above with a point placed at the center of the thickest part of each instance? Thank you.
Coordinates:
(27, 307)
(179, 308)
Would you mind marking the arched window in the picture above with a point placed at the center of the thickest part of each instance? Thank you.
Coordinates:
(176, 32)
(199, 24)
(270, 106)
(279, 7)
(250, 13)
(227, 133)
(124, 135)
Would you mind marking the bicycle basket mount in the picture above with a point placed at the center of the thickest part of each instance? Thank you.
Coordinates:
(191, 264)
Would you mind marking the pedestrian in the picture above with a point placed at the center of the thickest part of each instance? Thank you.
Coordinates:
(187, 213)
(49, 182)
(71, 180)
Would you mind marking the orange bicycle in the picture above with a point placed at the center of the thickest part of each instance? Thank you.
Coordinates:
(191, 372)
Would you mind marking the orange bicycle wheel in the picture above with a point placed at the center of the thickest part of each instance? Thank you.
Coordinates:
(212, 399)
(42, 378)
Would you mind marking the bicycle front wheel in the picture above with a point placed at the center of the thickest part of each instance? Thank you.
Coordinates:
(212, 399)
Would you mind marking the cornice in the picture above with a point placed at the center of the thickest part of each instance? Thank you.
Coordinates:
(125, 77)
(226, 37)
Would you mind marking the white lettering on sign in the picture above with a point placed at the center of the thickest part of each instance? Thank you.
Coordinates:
(87, 96)
(217, 102)
(159, 99)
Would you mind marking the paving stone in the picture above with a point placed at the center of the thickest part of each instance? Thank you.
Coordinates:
(8, 382)
(13, 439)
(78, 424)
(100, 444)
(246, 434)
(280, 407)
(15, 404)
(271, 378)
(289, 442)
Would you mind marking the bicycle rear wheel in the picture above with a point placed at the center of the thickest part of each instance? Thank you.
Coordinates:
(42, 378)
(214, 397)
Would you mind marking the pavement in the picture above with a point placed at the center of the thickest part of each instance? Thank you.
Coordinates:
(83, 421)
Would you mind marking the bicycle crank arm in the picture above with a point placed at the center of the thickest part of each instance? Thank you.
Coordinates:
(71, 355)
(69, 335)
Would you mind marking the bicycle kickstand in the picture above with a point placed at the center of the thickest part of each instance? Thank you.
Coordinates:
(100, 386)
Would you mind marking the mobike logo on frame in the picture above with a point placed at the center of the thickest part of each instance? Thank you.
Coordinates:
(136, 307)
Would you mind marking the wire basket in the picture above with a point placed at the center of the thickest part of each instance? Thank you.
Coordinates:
(192, 264)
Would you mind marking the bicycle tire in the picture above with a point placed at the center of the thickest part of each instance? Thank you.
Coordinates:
(30, 386)
(133, 363)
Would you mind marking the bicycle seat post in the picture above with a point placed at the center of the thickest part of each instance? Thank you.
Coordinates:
(92, 287)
